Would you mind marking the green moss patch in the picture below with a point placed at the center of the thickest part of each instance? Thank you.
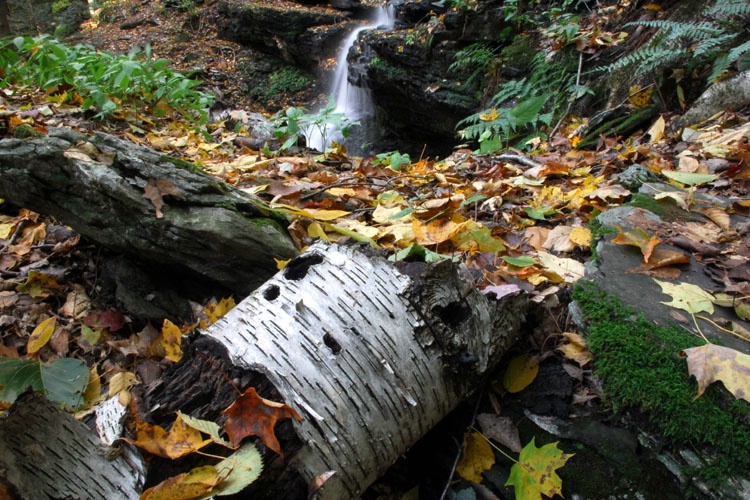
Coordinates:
(640, 367)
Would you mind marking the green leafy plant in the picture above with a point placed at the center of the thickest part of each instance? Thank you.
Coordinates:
(475, 61)
(522, 105)
(393, 160)
(100, 80)
(714, 41)
(290, 124)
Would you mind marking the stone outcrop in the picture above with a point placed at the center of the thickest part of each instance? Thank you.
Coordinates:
(408, 70)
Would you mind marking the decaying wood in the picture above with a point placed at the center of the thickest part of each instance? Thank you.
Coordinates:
(96, 184)
(46, 453)
(372, 354)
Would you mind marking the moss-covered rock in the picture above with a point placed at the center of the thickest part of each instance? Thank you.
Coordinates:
(641, 368)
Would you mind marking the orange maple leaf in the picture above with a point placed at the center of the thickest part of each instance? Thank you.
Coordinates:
(252, 415)
(638, 237)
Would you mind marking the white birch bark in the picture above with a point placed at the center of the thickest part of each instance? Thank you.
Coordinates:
(370, 356)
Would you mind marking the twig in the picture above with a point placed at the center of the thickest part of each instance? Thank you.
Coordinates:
(460, 449)
(570, 102)
(518, 158)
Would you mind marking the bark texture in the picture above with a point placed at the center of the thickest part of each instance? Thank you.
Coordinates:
(370, 353)
(97, 185)
(730, 94)
(46, 453)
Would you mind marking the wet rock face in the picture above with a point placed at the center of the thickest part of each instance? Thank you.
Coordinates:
(300, 37)
(407, 70)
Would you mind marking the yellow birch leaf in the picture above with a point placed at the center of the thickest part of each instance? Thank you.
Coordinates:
(711, 363)
(41, 335)
(521, 371)
(326, 215)
(478, 457)
(197, 483)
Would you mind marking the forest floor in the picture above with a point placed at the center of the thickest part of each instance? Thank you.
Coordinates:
(521, 220)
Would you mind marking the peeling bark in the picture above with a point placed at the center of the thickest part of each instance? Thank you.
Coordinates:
(372, 354)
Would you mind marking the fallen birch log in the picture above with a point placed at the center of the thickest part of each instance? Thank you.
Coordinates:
(145, 204)
(370, 353)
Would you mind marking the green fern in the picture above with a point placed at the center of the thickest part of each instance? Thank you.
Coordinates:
(474, 60)
(693, 43)
(731, 7)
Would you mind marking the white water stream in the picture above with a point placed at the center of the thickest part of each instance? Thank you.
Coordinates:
(353, 101)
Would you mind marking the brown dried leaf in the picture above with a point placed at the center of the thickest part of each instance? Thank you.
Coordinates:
(252, 415)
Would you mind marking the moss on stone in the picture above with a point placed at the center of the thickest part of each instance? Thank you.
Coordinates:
(640, 367)
(183, 164)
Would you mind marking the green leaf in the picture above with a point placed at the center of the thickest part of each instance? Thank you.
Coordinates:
(538, 213)
(63, 380)
(688, 297)
(689, 178)
(241, 468)
(520, 261)
(534, 474)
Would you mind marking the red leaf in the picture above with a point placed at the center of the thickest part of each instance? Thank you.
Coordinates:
(251, 415)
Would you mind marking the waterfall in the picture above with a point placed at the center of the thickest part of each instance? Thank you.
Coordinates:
(354, 101)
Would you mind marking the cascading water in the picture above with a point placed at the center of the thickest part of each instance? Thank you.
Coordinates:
(354, 101)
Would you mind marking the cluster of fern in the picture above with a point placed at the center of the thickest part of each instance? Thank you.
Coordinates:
(718, 39)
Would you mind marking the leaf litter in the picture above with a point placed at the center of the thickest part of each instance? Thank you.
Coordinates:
(515, 226)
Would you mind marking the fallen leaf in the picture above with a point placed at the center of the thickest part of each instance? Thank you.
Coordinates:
(156, 189)
(574, 348)
(63, 380)
(689, 178)
(521, 371)
(41, 335)
(77, 303)
(252, 415)
(637, 237)
(477, 458)
(534, 474)
(710, 363)
(500, 429)
(568, 270)
(206, 427)
(180, 440)
(196, 483)
(688, 297)
(239, 470)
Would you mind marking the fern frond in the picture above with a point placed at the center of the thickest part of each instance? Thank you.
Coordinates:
(675, 30)
(710, 45)
(648, 58)
(723, 61)
(730, 7)
(509, 90)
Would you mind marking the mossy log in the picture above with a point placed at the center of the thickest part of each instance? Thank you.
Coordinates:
(98, 185)
(370, 353)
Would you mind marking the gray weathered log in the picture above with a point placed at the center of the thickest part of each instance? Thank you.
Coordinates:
(96, 184)
(372, 355)
(730, 94)
(46, 453)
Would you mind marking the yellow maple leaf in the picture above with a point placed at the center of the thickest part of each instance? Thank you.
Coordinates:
(197, 483)
(637, 237)
(534, 474)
